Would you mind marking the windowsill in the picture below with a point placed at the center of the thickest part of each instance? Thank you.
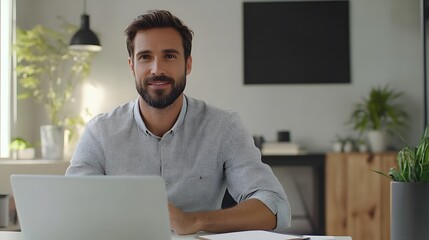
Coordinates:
(9, 167)
(32, 161)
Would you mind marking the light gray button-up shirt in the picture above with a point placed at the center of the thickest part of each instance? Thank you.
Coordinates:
(206, 151)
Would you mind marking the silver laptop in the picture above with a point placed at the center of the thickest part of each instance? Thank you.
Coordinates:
(91, 207)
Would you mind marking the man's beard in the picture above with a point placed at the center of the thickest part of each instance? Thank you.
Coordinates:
(161, 100)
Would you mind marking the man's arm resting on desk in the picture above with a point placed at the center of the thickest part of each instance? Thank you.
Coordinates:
(248, 215)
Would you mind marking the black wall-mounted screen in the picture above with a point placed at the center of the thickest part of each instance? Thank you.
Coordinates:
(296, 42)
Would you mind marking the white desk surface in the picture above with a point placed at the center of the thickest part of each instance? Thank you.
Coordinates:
(18, 236)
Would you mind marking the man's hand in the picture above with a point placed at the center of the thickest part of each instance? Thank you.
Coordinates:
(251, 214)
(181, 222)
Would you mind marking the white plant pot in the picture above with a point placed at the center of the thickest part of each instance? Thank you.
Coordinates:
(348, 147)
(377, 141)
(26, 154)
(363, 148)
(52, 139)
(337, 147)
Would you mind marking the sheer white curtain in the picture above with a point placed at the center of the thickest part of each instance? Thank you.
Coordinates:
(7, 22)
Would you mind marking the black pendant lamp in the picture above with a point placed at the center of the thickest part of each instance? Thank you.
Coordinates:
(85, 39)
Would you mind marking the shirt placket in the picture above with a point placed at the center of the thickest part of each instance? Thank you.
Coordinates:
(164, 156)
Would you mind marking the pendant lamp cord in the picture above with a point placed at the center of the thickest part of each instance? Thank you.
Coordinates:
(84, 6)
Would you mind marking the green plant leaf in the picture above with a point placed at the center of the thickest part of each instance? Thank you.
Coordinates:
(413, 163)
(48, 71)
(379, 111)
(19, 143)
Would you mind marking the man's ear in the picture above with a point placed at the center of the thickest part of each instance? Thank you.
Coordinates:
(188, 65)
(131, 64)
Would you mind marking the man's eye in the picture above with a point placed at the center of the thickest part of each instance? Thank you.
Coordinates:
(170, 56)
(144, 57)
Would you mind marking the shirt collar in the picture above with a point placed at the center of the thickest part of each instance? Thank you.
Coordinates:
(142, 125)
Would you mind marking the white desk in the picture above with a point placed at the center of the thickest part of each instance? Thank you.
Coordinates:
(19, 236)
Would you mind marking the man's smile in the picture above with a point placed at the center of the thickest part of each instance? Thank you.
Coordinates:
(159, 84)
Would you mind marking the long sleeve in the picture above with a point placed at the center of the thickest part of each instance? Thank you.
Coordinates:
(247, 177)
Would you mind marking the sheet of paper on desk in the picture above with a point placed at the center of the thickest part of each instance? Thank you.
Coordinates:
(253, 235)
(313, 237)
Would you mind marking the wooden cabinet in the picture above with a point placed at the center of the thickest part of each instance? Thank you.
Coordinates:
(358, 199)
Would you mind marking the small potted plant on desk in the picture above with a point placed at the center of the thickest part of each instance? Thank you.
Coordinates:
(377, 114)
(409, 192)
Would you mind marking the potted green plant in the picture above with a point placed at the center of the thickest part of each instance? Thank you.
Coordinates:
(21, 149)
(410, 192)
(377, 114)
(48, 71)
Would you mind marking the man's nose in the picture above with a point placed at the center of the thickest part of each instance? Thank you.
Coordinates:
(157, 67)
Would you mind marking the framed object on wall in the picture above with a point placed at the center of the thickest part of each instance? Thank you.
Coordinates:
(296, 42)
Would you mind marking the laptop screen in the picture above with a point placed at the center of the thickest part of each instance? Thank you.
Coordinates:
(91, 207)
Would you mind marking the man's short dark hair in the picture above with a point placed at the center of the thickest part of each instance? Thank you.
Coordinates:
(158, 19)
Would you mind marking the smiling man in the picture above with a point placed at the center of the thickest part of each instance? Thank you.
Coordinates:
(198, 149)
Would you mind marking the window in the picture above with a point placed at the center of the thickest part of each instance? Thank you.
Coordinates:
(6, 95)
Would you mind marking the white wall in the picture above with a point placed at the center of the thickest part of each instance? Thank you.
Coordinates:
(385, 48)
